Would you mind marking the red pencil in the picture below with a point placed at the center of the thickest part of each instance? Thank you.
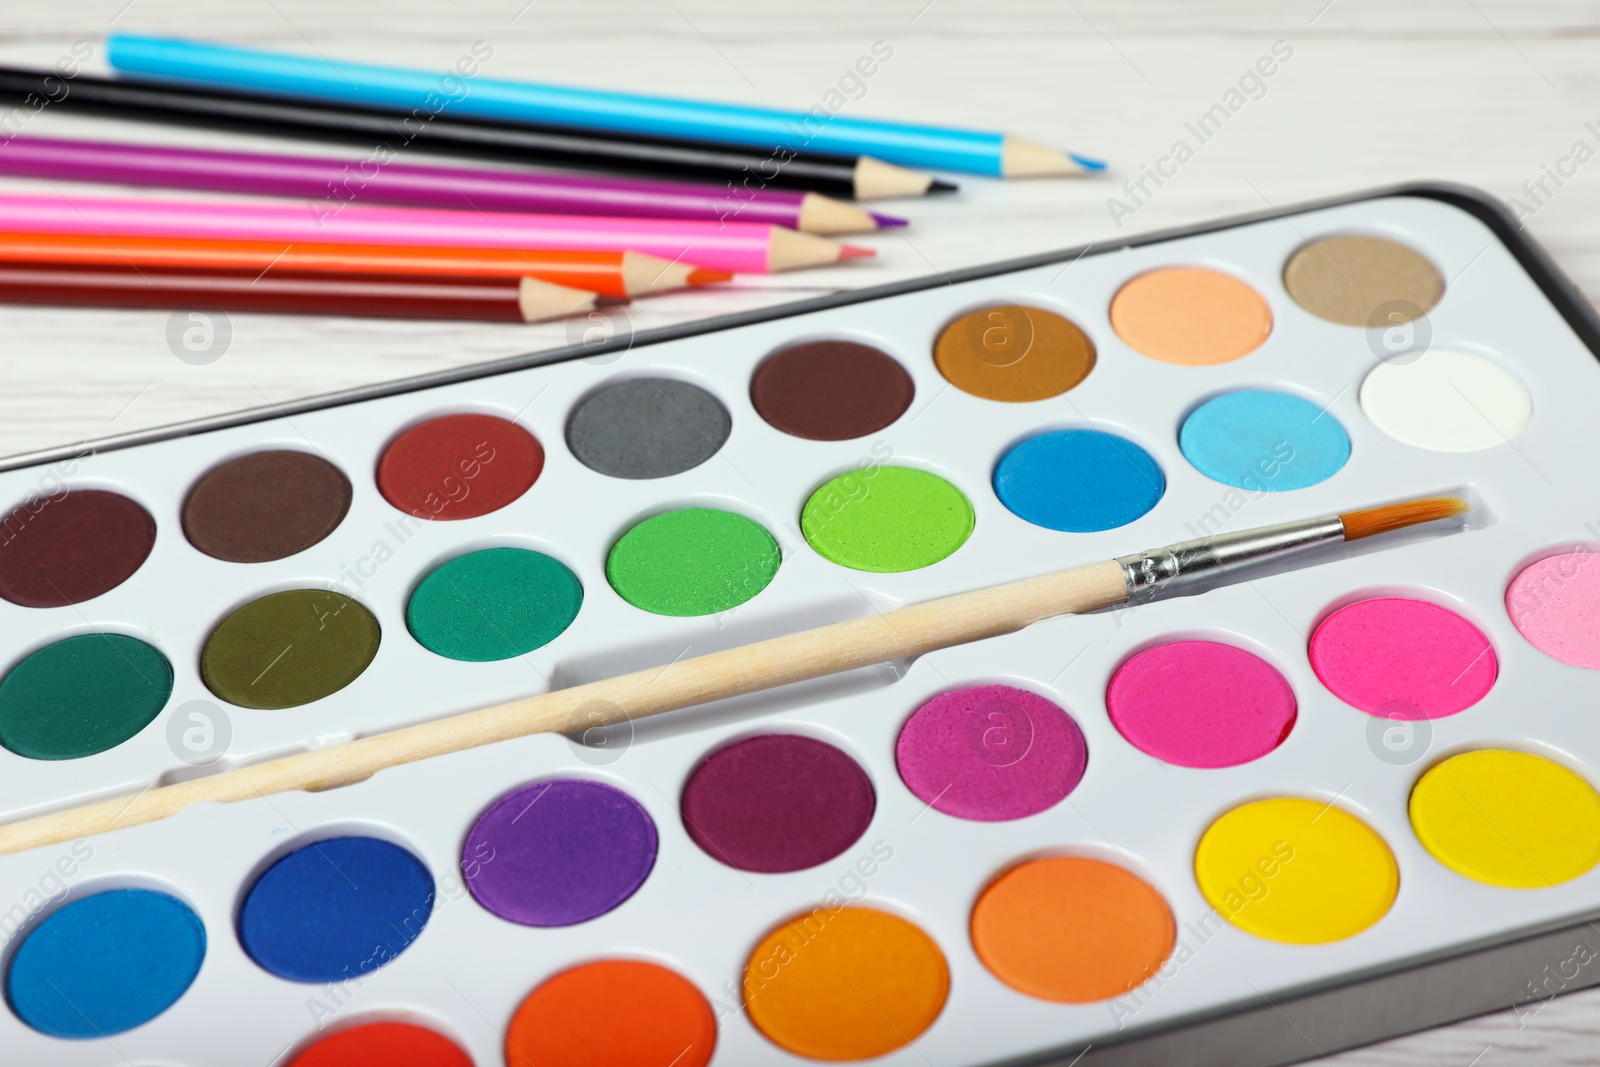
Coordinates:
(295, 293)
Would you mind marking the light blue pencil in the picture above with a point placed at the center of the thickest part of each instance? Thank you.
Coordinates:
(462, 92)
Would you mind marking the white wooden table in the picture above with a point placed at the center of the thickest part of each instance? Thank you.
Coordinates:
(1486, 92)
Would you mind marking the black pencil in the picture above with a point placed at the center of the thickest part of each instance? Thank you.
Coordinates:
(391, 132)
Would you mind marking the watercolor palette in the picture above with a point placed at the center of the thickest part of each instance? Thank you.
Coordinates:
(1283, 817)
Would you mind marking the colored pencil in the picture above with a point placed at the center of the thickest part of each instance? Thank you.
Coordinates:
(324, 293)
(877, 637)
(386, 133)
(615, 274)
(343, 181)
(466, 91)
(734, 246)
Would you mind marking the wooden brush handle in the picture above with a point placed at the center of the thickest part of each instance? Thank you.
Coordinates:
(843, 646)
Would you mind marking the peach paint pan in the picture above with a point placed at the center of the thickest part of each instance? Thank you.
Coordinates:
(1342, 800)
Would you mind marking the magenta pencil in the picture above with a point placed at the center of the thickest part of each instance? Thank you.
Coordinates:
(733, 246)
(336, 182)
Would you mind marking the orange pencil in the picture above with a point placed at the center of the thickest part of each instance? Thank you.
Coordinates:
(616, 274)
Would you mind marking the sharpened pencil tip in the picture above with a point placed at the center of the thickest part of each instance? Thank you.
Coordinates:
(937, 186)
(706, 276)
(1021, 158)
(856, 252)
(1087, 162)
(889, 222)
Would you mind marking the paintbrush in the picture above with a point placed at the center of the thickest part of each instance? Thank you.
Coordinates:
(843, 646)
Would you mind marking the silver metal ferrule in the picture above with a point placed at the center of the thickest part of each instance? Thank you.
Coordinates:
(1207, 559)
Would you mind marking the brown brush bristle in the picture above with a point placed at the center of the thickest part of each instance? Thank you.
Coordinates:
(1359, 524)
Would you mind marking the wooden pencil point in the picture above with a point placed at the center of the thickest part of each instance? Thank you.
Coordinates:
(644, 274)
(1020, 158)
(791, 250)
(544, 300)
(877, 180)
(820, 214)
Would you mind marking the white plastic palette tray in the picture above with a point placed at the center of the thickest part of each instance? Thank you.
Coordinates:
(468, 970)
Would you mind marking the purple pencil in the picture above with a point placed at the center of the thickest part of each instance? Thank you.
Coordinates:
(337, 182)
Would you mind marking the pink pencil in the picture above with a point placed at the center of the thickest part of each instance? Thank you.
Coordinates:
(733, 246)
